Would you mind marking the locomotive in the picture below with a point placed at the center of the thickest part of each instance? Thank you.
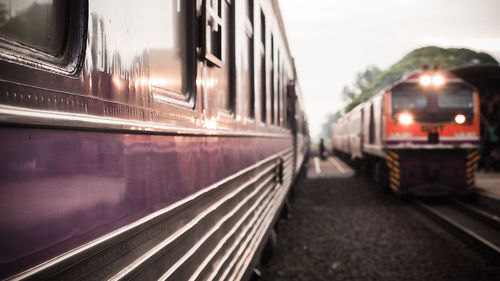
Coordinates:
(419, 136)
(151, 140)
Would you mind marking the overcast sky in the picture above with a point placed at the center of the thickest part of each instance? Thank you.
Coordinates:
(332, 40)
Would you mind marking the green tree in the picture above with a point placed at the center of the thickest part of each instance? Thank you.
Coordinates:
(363, 79)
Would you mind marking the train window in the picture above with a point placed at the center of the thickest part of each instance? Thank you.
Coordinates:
(169, 58)
(278, 101)
(247, 87)
(290, 101)
(45, 33)
(39, 24)
(408, 97)
(213, 31)
(455, 97)
(285, 99)
(223, 73)
(271, 81)
(263, 71)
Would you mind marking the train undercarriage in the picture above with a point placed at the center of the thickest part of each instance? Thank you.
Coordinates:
(424, 172)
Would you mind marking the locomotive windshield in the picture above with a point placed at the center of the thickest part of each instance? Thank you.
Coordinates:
(455, 96)
(433, 104)
(409, 98)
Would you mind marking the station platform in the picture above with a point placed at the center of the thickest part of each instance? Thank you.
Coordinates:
(488, 182)
(332, 167)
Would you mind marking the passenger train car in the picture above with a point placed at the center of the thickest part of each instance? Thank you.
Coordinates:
(419, 136)
(144, 140)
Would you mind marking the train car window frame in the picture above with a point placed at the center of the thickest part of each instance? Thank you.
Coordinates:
(69, 60)
(185, 98)
(459, 97)
(212, 35)
(247, 91)
(272, 71)
(263, 68)
(278, 92)
(227, 55)
(286, 82)
(290, 104)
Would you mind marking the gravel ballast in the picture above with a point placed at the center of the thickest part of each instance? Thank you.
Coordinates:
(344, 229)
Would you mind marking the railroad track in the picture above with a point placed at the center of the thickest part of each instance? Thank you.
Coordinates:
(467, 221)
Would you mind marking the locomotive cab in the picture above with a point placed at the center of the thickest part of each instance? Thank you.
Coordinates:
(432, 132)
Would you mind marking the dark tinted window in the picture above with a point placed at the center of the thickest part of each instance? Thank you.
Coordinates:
(408, 97)
(247, 87)
(40, 24)
(455, 97)
(223, 88)
(263, 71)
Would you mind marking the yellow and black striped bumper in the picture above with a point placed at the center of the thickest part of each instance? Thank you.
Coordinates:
(471, 166)
(394, 169)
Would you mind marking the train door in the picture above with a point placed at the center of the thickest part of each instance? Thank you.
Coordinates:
(361, 134)
(292, 120)
(371, 126)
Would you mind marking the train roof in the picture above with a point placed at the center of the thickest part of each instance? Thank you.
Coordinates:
(486, 78)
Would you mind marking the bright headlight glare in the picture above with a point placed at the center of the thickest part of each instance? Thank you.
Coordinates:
(460, 118)
(425, 80)
(437, 80)
(405, 118)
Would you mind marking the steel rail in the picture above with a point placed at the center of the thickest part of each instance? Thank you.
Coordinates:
(461, 229)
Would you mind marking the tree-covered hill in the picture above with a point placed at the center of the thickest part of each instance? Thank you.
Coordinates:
(373, 80)
(432, 56)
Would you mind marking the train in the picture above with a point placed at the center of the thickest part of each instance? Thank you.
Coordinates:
(419, 136)
(151, 140)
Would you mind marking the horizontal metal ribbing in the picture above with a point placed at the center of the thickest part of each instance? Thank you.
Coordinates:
(256, 209)
(250, 251)
(84, 252)
(260, 204)
(226, 218)
(238, 253)
(136, 265)
(245, 232)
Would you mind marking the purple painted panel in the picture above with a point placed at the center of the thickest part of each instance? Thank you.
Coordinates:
(60, 189)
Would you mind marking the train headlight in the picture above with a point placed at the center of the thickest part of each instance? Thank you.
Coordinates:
(425, 80)
(460, 119)
(437, 80)
(405, 118)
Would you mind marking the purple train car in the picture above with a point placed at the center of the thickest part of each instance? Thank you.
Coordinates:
(144, 140)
